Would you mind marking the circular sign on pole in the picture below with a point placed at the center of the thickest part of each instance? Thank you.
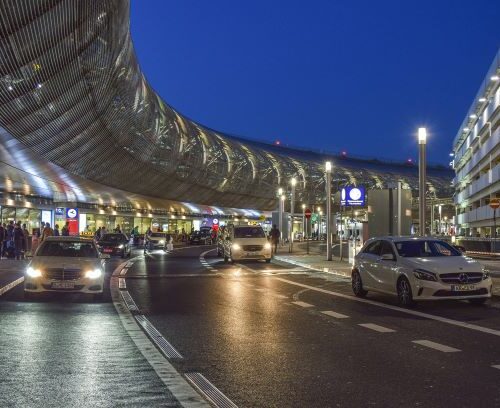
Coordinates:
(494, 203)
(307, 213)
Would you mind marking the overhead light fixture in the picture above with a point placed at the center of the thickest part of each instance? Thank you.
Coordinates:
(482, 99)
(495, 78)
(473, 116)
(452, 154)
(466, 129)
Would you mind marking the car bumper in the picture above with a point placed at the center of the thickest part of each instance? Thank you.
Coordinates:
(83, 285)
(257, 255)
(427, 290)
(114, 251)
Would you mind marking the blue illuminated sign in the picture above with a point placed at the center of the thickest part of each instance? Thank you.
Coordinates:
(59, 210)
(353, 196)
(72, 213)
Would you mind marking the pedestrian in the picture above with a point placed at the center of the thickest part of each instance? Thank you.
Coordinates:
(103, 232)
(18, 237)
(26, 240)
(118, 230)
(275, 237)
(65, 230)
(56, 230)
(47, 231)
(97, 234)
(3, 235)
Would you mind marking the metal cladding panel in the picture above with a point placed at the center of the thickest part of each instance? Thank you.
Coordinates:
(71, 91)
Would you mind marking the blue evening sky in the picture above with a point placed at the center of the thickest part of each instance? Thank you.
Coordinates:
(359, 76)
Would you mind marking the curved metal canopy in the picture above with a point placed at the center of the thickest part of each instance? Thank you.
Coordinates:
(72, 92)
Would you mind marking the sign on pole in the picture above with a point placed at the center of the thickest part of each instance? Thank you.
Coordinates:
(494, 203)
(307, 213)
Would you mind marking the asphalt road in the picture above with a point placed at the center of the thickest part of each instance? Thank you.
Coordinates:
(265, 335)
(246, 329)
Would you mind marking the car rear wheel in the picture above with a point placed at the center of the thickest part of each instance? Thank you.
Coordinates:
(357, 285)
(405, 295)
(477, 301)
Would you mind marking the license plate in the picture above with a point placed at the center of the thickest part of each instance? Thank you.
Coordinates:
(460, 288)
(107, 250)
(63, 285)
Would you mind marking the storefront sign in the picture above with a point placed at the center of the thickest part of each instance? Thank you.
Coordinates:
(72, 219)
(59, 211)
(353, 196)
(72, 213)
(215, 221)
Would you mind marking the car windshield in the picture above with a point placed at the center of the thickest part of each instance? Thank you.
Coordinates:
(113, 237)
(249, 232)
(70, 249)
(425, 249)
(158, 235)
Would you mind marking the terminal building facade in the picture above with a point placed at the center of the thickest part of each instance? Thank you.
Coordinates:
(476, 149)
(81, 128)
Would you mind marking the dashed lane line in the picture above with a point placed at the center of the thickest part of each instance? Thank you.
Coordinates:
(11, 285)
(445, 320)
(334, 314)
(436, 346)
(204, 262)
(376, 327)
(302, 304)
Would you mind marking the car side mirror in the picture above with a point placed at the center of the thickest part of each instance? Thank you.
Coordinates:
(104, 256)
(387, 257)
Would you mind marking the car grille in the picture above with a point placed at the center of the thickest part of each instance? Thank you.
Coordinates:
(62, 274)
(472, 277)
(252, 247)
(448, 293)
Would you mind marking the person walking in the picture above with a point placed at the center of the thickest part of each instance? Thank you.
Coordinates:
(103, 232)
(47, 232)
(56, 230)
(26, 233)
(18, 241)
(3, 235)
(65, 230)
(275, 237)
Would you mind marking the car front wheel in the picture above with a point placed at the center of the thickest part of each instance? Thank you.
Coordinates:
(357, 285)
(405, 295)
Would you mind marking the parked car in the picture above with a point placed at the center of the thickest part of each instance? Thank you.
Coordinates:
(114, 244)
(418, 269)
(66, 264)
(246, 243)
(200, 238)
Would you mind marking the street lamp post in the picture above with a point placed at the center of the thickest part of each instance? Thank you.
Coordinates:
(319, 222)
(440, 208)
(422, 140)
(292, 210)
(303, 221)
(280, 212)
(328, 169)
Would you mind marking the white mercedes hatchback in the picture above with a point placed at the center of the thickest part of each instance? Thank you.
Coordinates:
(418, 269)
(66, 264)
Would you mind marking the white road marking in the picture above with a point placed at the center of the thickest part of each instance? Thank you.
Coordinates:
(123, 272)
(210, 391)
(172, 379)
(376, 327)
(496, 366)
(334, 314)
(302, 304)
(122, 283)
(11, 285)
(458, 323)
(436, 346)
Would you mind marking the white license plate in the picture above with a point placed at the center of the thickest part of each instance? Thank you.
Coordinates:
(63, 285)
(460, 288)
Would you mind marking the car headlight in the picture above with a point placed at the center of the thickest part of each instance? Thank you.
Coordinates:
(33, 273)
(267, 245)
(120, 246)
(236, 246)
(486, 274)
(96, 273)
(422, 274)
(161, 242)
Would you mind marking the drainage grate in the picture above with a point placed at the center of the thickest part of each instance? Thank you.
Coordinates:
(129, 301)
(165, 347)
(210, 391)
(122, 284)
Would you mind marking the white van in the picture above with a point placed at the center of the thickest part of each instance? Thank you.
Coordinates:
(246, 242)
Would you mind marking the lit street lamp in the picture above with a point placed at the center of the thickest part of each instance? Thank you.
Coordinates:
(304, 221)
(328, 169)
(280, 211)
(422, 140)
(292, 210)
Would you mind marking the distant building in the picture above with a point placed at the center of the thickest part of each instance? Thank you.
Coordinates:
(476, 160)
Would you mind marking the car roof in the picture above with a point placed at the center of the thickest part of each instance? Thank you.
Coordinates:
(394, 238)
(70, 238)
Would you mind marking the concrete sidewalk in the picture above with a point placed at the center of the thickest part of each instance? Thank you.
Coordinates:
(315, 262)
